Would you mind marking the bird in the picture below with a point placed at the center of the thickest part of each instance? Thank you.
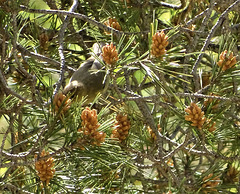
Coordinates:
(89, 79)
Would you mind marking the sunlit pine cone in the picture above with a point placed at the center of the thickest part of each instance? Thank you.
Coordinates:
(122, 127)
(89, 120)
(89, 129)
(61, 103)
(110, 54)
(192, 28)
(226, 61)
(159, 43)
(195, 115)
(214, 102)
(112, 22)
(232, 175)
(210, 183)
(169, 192)
(211, 126)
(45, 167)
(98, 137)
(152, 134)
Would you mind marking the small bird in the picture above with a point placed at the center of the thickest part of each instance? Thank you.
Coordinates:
(89, 79)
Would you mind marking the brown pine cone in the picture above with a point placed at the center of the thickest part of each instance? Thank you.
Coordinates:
(112, 22)
(110, 54)
(226, 61)
(232, 175)
(152, 134)
(195, 115)
(89, 130)
(159, 43)
(45, 168)
(210, 183)
(61, 103)
(122, 128)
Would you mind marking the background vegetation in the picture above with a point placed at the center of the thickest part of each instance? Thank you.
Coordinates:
(44, 41)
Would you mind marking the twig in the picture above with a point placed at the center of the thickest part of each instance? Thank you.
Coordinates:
(172, 6)
(7, 90)
(170, 154)
(75, 15)
(14, 189)
(202, 14)
(60, 49)
(23, 155)
(153, 98)
(195, 40)
(211, 33)
(41, 57)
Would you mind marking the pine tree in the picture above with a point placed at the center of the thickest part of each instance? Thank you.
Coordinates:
(167, 121)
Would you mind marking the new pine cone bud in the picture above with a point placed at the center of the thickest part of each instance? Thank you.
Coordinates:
(89, 129)
(152, 134)
(195, 115)
(210, 183)
(112, 22)
(226, 61)
(45, 168)
(110, 54)
(232, 175)
(122, 127)
(159, 43)
(61, 102)
(213, 102)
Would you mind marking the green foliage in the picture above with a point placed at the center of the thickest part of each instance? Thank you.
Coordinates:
(39, 55)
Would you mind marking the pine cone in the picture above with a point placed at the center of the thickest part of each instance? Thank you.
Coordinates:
(61, 102)
(159, 43)
(232, 175)
(195, 115)
(212, 101)
(45, 168)
(89, 129)
(152, 134)
(122, 128)
(112, 22)
(110, 54)
(226, 60)
(210, 183)
(211, 126)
